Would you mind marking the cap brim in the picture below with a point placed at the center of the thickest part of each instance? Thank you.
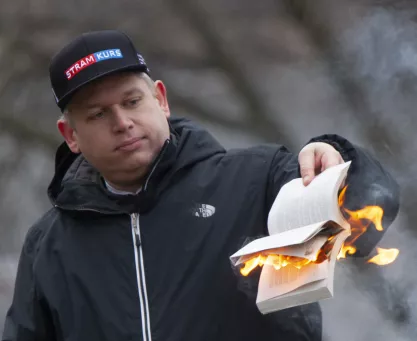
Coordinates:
(63, 102)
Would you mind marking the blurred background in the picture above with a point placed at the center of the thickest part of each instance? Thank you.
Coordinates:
(250, 71)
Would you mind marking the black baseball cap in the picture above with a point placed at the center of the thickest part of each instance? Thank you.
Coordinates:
(91, 56)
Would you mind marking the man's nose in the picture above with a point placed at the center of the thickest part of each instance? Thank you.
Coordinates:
(121, 121)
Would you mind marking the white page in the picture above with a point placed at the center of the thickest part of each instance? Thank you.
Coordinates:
(307, 250)
(290, 237)
(308, 286)
(297, 205)
(308, 293)
(273, 283)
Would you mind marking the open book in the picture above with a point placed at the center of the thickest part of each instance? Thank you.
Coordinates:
(307, 231)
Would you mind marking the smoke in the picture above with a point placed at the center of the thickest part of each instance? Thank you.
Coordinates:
(372, 303)
(382, 53)
(383, 44)
(368, 306)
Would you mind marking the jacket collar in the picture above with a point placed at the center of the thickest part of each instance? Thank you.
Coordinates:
(77, 186)
(72, 190)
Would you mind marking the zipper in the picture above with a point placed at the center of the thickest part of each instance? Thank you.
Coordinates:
(137, 246)
(140, 276)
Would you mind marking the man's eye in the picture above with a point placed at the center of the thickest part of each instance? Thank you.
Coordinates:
(97, 115)
(133, 102)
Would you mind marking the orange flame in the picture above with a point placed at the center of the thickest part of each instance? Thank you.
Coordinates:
(252, 264)
(281, 261)
(277, 261)
(384, 256)
(346, 249)
(359, 222)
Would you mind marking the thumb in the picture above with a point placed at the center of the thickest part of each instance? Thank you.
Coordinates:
(306, 159)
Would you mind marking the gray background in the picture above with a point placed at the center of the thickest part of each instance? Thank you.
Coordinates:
(250, 71)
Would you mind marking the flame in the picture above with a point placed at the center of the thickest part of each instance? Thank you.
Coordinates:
(384, 256)
(359, 222)
(371, 213)
(252, 264)
(281, 261)
(277, 261)
(346, 249)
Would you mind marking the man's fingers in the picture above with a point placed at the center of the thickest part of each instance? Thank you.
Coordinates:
(317, 155)
(330, 159)
(307, 165)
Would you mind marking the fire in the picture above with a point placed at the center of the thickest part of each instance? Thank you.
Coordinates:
(277, 261)
(252, 264)
(384, 256)
(346, 249)
(359, 222)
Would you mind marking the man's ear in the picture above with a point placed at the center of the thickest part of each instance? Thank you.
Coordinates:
(161, 96)
(68, 133)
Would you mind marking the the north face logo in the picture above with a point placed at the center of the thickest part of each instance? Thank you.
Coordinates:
(203, 210)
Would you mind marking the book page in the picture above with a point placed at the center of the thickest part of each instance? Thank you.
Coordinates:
(307, 250)
(308, 293)
(290, 237)
(340, 239)
(273, 283)
(279, 290)
(297, 205)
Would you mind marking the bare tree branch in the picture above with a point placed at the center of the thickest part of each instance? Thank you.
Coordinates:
(393, 302)
(258, 112)
(260, 124)
(320, 36)
(379, 134)
(199, 111)
(28, 133)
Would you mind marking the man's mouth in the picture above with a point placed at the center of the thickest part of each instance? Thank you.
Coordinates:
(130, 144)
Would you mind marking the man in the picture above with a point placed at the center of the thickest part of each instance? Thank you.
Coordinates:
(146, 212)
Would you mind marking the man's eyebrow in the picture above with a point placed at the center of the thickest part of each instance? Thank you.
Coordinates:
(92, 105)
(133, 91)
(125, 94)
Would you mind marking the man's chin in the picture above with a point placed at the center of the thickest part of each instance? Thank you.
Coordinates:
(138, 161)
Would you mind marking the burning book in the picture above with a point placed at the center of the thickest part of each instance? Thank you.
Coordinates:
(307, 231)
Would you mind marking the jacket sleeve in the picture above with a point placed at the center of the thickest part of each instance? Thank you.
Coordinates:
(27, 318)
(369, 183)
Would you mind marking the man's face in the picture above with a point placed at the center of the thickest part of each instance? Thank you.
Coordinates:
(119, 124)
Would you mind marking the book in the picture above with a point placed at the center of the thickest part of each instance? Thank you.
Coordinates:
(306, 233)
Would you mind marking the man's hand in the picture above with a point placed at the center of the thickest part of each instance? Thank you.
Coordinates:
(315, 157)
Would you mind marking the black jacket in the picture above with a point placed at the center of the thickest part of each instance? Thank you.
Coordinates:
(155, 266)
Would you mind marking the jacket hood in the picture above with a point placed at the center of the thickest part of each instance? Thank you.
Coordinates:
(78, 186)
